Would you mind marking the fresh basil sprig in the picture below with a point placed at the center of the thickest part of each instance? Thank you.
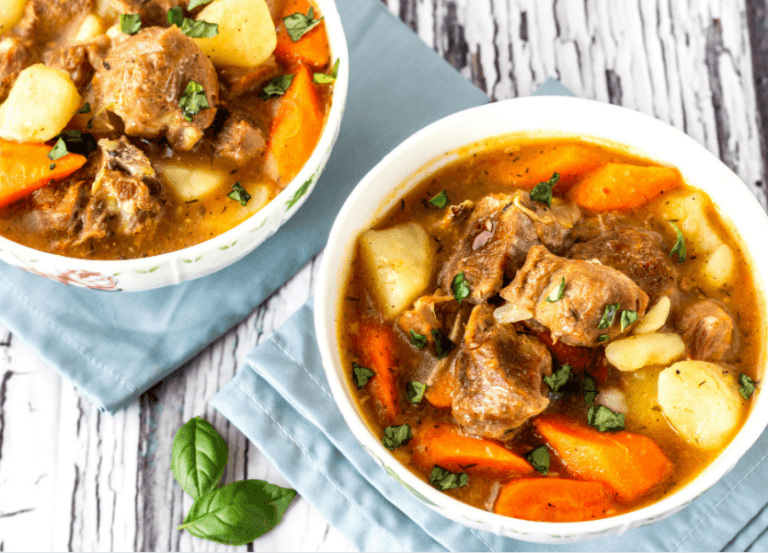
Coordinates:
(198, 457)
(542, 192)
(193, 101)
(297, 24)
(460, 287)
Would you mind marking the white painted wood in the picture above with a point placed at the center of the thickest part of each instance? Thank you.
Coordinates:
(74, 479)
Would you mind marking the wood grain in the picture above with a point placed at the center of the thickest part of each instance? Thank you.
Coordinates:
(72, 478)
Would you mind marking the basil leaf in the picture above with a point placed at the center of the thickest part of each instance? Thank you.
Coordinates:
(239, 512)
(276, 87)
(196, 3)
(590, 390)
(558, 378)
(59, 150)
(557, 295)
(176, 16)
(130, 24)
(361, 375)
(443, 479)
(239, 194)
(77, 142)
(395, 436)
(297, 24)
(608, 315)
(542, 192)
(198, 457)
(86, 108)
(322, 78)
(604, 420)
(603, 338)
(418, 340)
(627, 318)
(415, 391)
(679, 246)
(443, 344)
(440, 200)
(539, 459)
(459, 287)
(193, 101)
(194, 28)
(747, 386)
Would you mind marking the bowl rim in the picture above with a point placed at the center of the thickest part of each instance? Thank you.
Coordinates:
(337, 255)
(339, 50)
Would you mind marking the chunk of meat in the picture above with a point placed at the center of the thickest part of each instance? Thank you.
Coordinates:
(239, 140)
(15, 56)
(423, 317)
(46, 21)
(80, 60)
(639, 254)
(236, 81)
(499, 377)
(152, 12)
(708, 330)
(589, 289)
(142, 80)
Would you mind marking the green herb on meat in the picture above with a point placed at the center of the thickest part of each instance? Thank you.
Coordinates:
(443, 344)
(176, 16)
(542, 192)
(418, 340)
(459, 287)
(130, 23)
(193, 101)
(558, 293)
(627, 318)
(558, 378)
(395, 436)
(608, 315)
(86, 108)
(361, 375)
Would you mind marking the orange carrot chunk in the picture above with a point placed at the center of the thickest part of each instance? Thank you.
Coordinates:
(622, 186)
(568, 160)
(377, 351)
(26, 167)
(630, 464)
(440, 392)
(296, 128)
(554, 500)
(443, 445)
(311, 49)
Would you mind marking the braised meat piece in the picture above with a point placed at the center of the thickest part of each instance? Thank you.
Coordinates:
(708, 330)
(143, 79)
(639, 254)
(47, 21)
(81, 60)
(15, 56)
(500, 375)
(423, 317)
(236, 81)
(152, 12)
(239, 140)
(590, 288)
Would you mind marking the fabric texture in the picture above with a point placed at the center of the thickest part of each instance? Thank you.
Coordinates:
(114, 346)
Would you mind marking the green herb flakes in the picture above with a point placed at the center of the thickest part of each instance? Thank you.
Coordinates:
(679, 246)
(52, 166)
(605, 420)
(558, 293)
(59, 150)
(603, 338)
(539, 459)
(443, 479)
(542, 192)
(197, 3)
(459, 287)
(418, 340)
(747, 386)
(361, 375)
(559, 378)
(199, 29)
(239, 194)
(176, 16)
(395, 436)
(443, 344)
(590, 390)
(193, 101)
(298, 24)
(85, 109)
(608, 315)
(276, 87)
(414, 391)
(440, 200)
(130, 24)
(322, 78)
(627, 318)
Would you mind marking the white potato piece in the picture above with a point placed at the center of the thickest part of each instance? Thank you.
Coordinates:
(399, 263)
(655, 317)
(689, 213)
(91, 27)
(636, 352)
(719, 267)
(701, 401)
(10, 14)
(247, 35)
(192, 183)
(39, 106)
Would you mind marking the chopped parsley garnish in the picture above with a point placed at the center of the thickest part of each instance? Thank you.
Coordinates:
(590, 390)
(443, 344)
(193, 101)
(196, 3)
(52, 166)
(558, 293)
(86, 108)
(558, 378)
(627, 318)
(395, 436)
(418, 340)
(440, 200)
(679, 246)
(747, 386)
(543, 191)
(539, 459)
(297, 24)
(608, 315)
(414, 391)
(605, 420)
(59, 150)
(130, 23)
(239, 194)
(322, 78)
(459, 287)
(194, 28)
(361, 375)
(443, 479)
(276, 87)
(176, 16)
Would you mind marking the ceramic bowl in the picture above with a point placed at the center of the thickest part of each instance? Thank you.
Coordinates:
(426, 151)
(219, 252)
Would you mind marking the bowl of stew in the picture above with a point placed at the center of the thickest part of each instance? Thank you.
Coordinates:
(545, 318)
(146, 143)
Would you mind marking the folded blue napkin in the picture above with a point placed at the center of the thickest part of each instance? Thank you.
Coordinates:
(114, 346)
(281, 400)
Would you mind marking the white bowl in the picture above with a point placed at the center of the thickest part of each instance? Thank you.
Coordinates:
(219, 252)
(421, 155)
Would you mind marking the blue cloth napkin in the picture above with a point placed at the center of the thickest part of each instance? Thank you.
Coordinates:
(114, 346)
(281, 400)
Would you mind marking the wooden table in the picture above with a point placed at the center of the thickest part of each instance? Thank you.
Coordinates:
(73, 478)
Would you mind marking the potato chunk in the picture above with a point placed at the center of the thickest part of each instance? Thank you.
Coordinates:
(718, 267)
(636, 352)
(655, 317)
(399, 263)
(192, 183)
(39, 106)
(10, 14)
(247, 36)
(91, 27)
(689, 213)
(701, 401)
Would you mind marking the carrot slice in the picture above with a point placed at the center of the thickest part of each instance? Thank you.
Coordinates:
(443, 445)
(311, 49)
(296, 128)
(377, 351)
(630, 464)
(622, 186)
(554, 500)
(26, 167)
(568, 160)
(440, 392)
(577, 357)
